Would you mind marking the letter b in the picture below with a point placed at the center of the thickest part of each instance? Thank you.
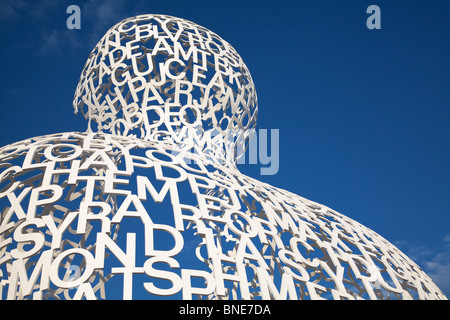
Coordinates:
(226, 309)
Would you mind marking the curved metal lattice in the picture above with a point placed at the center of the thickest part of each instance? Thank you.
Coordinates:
(152, 205)
(156, 75)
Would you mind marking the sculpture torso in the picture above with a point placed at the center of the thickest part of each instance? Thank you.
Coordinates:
(148, 207)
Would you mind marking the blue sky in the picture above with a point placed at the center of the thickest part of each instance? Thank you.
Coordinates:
(363, 115)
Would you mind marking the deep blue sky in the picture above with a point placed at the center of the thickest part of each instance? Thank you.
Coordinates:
(364, 115)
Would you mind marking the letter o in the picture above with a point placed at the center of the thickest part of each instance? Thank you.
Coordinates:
(121, 26)
(217, 50)
(253, 228)
(48, 152)
(198, 115)
(151, 155)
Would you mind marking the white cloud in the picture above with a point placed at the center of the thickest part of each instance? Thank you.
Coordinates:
(447, 238)
(11, 9)
(99, 16)
(439, 272)
(59, 42)
(96, 18)
(435, 261)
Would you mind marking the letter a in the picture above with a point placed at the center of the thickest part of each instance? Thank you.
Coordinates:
(74, 21)
(374, 21)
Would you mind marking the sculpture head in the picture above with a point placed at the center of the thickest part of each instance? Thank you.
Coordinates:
(158, 77)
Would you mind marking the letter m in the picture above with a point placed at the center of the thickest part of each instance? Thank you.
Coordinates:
(269, 289)
(144, 184)
(19, 275)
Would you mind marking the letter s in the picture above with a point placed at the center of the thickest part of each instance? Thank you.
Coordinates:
(36, 237)
(177, 284)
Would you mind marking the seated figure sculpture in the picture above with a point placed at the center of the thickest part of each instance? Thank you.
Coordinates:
(148, 203)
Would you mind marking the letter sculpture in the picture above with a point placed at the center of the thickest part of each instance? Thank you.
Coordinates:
(148, 202)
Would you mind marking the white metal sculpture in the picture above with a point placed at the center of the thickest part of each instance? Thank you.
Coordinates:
(149, 202)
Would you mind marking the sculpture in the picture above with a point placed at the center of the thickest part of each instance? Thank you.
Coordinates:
(149, 203)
